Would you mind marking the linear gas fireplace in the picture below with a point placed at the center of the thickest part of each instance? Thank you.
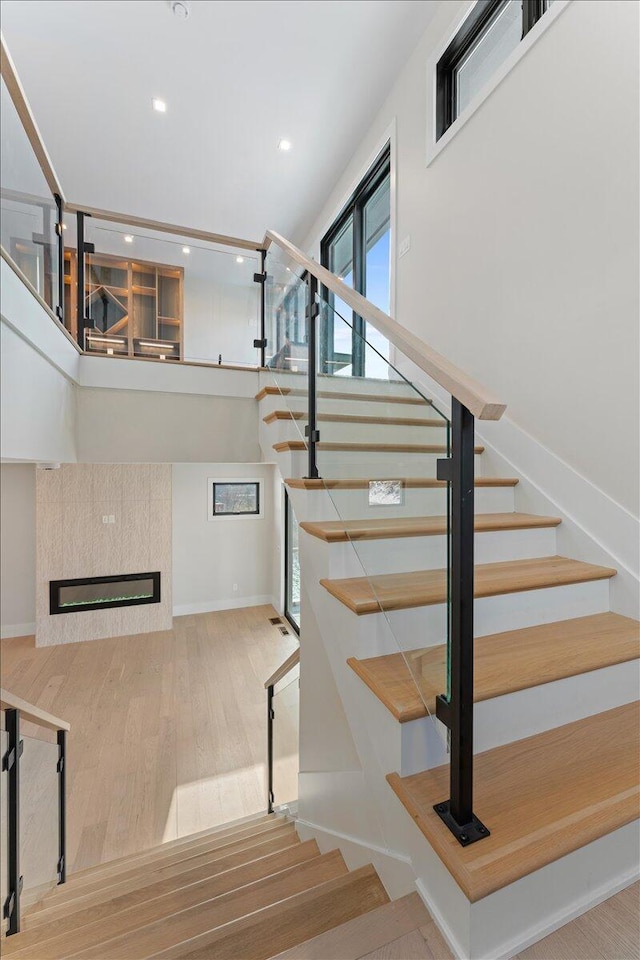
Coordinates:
(101, 593)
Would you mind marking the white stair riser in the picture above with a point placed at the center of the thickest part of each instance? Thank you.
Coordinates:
(525, 713)
(349, 432)
(404, 554)
(342, 464)
(352, 385)
(336, 504)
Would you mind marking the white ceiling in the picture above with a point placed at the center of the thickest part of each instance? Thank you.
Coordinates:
(237, 76)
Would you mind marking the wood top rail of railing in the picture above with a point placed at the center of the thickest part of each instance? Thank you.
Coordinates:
(28, 712)
(283, 669)
(161, 227)
(482, 404)
(10, 77)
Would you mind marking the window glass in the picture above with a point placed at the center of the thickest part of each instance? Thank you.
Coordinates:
(492, 48)
(292, 607)
(377, 234)
(341, 263)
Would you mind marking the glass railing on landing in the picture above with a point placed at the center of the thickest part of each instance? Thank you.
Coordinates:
(283, 733)
(377, 441)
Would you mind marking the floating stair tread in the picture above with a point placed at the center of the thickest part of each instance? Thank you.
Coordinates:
(124, 870)
(185, 921)
(362, 483)
(340, 531)
(503, 662)
(542, 798)
(347, 447)
(336, 395)
(365, 933)
(195, 867)
(277, 415)
(124, 912)
(400, 591)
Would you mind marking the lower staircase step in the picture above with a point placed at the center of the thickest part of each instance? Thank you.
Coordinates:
(194, 868)
(504, 662)
(399, 591)
(126, 912)
(369, 932)
(541, 798)
(341, 531)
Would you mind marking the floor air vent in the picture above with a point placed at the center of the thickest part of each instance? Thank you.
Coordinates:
(275, 620)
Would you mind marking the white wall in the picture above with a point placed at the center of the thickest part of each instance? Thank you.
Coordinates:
(17, 549)
(210, 556)
(523, 266)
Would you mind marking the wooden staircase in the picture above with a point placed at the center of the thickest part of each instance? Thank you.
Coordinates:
(544, 796)
(247, 892)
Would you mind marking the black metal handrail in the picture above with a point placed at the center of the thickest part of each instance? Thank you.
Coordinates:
(14, 710)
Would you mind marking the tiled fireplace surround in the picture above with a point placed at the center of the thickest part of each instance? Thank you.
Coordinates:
(72, 541)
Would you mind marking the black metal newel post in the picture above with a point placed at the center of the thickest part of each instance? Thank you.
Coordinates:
(62, 806)
(60, 234)
(11, 763)
(311, 430)
(261, 342)
(457, 711)
(270, 719)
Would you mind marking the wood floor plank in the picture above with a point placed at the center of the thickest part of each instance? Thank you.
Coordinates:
(410, 946)
(408, 683)
(217, 922)
(400, 591)
(290, 922)
(364, 933)
(125, 912)
(342, 531)
(362, 483)
(345, 447)
(541, 798)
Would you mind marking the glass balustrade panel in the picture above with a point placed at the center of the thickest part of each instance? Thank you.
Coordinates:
(286, 730)
(39, 813)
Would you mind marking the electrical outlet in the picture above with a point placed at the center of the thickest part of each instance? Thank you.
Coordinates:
(112, 518)
(405, 246)
(235, 587)
(105, 519)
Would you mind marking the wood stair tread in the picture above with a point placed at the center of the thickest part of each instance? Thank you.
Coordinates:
(542, 798)
(194, 914)
(347, 447)
(399, 591)
(362, 483)
(340, 531)
(126, 911)
(414, 400)
(207, 864)
(365, 933)
(503, 662)
(278, 415)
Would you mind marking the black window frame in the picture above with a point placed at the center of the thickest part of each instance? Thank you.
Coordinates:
(234, 513)
(354, 208)
(476, 25)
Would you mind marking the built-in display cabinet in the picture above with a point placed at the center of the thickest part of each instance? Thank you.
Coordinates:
(134, 308)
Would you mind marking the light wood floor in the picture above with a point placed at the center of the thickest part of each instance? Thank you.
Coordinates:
(168, 730)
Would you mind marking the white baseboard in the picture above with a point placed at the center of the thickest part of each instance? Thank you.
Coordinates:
(9, 630)
(212, 606)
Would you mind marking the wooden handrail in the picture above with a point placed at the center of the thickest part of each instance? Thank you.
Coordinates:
(161, 227)
(283, 669)
(8, 701)
(482, 404)
(27, 119)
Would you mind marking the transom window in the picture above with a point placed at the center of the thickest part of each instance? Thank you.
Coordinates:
(234, 498)
(493, 29)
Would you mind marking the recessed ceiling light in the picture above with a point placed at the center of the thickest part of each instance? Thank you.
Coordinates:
(159, 105)
(186, 249)
(128, 238)
(239, 259)
(180, 9)
(284, 145)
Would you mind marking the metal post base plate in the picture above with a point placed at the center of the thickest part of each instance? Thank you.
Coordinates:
(466, 834)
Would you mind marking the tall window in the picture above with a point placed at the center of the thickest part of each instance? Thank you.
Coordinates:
(357, 249)
(292, 566)
(493, 29)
